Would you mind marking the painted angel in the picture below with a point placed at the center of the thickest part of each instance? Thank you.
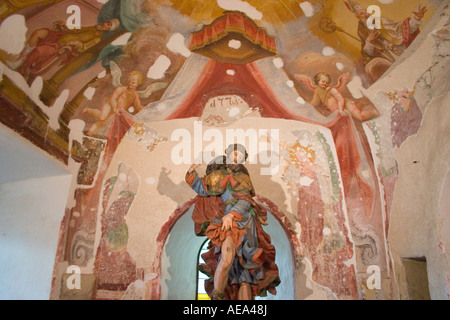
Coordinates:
(332, 97)
(124, 100)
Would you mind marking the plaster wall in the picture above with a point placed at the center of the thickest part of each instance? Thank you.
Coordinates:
(417, 227)
(30, 217)
(152, 242)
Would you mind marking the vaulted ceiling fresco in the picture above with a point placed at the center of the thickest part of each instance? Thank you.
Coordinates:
(103, 86)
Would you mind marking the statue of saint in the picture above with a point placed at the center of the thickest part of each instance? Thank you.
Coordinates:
(241, 258)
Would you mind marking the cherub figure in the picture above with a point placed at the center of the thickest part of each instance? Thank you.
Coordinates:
(124, 99)
(332, 97)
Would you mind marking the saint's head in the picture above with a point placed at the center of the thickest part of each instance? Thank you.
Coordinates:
(236, 154)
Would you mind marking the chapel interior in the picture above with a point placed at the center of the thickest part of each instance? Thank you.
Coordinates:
(355, 177)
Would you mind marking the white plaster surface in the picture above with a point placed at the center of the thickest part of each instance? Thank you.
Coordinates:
(30, 216)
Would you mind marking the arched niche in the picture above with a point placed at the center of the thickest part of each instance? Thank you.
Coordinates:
(180, 247)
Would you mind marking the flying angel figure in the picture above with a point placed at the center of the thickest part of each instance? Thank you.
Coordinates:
(332, 97)
(124, 99)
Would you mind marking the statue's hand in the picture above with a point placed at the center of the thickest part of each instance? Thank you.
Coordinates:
(227, 222)
(193, 167)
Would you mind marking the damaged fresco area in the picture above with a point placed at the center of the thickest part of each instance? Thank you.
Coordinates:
(106, 99)
(113, 262)
(312, 179)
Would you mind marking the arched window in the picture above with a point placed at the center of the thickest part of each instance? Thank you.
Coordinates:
(180, 277)
(201, 277)
(283, 260)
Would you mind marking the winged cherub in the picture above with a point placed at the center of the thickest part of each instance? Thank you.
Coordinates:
(125, 98)
(332, 97)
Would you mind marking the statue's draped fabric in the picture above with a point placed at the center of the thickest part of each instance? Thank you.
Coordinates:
(229, 190)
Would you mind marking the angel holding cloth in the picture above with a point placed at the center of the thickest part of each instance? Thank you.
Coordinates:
(125, 99)
(332, 98)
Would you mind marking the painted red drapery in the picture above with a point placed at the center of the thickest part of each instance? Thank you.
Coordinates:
(232, 22)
